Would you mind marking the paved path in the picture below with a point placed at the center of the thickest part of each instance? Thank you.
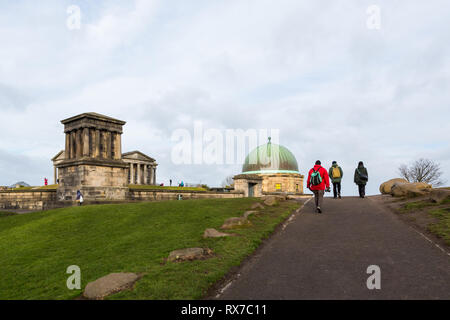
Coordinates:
(326, 257)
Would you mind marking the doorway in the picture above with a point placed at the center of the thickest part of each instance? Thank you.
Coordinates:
(251, 189)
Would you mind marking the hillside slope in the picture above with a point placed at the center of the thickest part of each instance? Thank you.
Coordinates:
(37, 248)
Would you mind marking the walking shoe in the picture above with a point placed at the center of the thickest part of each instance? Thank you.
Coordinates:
(319, 210)
(340, 197)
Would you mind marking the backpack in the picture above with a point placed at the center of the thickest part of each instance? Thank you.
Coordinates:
(316, 178)
(362, 176)
(336, 172)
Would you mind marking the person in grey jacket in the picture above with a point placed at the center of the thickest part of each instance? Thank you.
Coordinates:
(361, 178)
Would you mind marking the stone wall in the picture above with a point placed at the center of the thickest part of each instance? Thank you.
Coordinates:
(95, 182)
(29, 200)
(36, 200)
(158, 195)
(291, 183)
(242, 185)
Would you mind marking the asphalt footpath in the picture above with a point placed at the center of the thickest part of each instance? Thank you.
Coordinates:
(327, 256)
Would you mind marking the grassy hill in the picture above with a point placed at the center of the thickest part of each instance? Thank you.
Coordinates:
(37, 248)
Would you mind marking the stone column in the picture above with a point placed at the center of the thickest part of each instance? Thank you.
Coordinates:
(96, 144)
(86, 142)
(67, 151)
(73, 146)
(103, 143)
(154, 175)
(145, 174)
(118, 146)
(54, 174)
(108, 144)
(78, 143)
(150, 175)
(138, 174)
(131, 173)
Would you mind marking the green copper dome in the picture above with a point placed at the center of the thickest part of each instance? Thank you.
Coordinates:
(270, 158)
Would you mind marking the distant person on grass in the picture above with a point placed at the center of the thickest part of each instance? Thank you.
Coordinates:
(336, 175)
(361, 178)
(318, 181)
(79, 198)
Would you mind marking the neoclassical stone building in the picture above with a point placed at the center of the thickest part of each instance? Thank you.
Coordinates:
(142, 168)
(93, 163)
(269, 169)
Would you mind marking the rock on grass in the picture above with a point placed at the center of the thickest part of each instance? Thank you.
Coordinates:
(249, 213)
(107, 285)
(189, 254)
(270, 201)
(257, 205)
(235, 222)
(213, 233)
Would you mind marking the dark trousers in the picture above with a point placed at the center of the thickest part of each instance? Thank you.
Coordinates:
(362, 190)
(318, 197)
(336, 189)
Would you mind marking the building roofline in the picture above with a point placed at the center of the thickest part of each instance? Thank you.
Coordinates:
(136, 151)
(57, 155)
(93, 115)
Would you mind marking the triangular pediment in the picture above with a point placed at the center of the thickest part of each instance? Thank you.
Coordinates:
(59, 156)
(137, 155)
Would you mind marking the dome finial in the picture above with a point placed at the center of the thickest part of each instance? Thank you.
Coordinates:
(270, 138)
(269, 149)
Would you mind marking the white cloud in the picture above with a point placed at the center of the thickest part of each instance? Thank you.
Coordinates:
(335, 89)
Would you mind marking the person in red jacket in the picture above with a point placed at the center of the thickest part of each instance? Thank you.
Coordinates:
(318, 181)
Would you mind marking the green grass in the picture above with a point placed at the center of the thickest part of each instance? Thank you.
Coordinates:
(37, 248)
(442, 227)
(6, 214)
(147, 187)
(48, 187)
(417, 205)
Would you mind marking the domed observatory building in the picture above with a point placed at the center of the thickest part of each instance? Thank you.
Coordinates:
(269, 169)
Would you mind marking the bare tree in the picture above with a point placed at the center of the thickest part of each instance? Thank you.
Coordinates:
(422, 170)
(228, 182)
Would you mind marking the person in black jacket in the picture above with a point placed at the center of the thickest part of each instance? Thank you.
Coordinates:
(361, 178)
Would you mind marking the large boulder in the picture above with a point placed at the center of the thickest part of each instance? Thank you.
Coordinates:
(439, 195)
(235, 222)
(112, 283)
(410, 190)
(213, 233)
(188, 254)
(385, 187)
(423, 186)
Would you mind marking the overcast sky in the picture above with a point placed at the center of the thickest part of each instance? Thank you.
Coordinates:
(336, 89)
